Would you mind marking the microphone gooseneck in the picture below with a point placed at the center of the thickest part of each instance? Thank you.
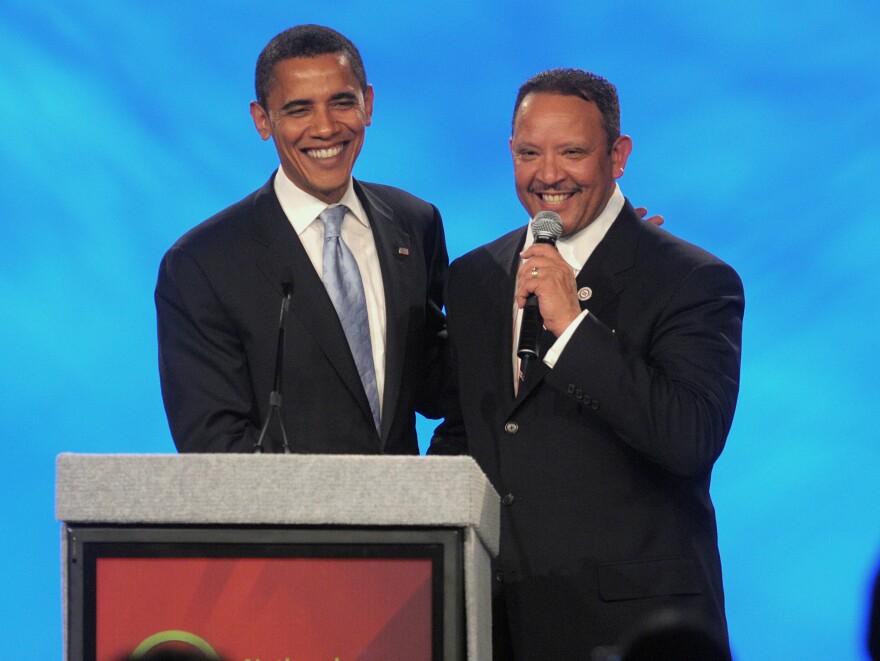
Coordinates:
(275, 399)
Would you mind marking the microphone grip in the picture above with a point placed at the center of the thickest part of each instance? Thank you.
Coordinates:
(530, 329)
(546, 228)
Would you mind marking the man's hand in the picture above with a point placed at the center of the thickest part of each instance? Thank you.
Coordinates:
(654, 220)
(549, 277)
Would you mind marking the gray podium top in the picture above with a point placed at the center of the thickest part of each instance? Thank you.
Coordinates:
(277, 489)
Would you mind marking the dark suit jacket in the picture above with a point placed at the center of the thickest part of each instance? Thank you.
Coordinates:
(603, 463)
(218, 298)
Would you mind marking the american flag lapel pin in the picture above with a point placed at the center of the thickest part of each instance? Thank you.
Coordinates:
(403, 251)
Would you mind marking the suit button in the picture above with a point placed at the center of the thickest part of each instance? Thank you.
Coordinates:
(578, 394)
(499, 575)
(511, 427)
(594, 405)
(507, 499)
(570, 389)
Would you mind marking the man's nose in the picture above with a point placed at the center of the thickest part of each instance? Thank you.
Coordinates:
(549, 170)
(323, 122)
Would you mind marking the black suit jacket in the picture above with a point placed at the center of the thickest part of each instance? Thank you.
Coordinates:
(603, 463)
(218, 298)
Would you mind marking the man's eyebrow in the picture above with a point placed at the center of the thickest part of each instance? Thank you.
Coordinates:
(344, 96)
(296, 103)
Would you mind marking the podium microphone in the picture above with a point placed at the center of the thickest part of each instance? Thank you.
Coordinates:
(546, 227)
(275, 399)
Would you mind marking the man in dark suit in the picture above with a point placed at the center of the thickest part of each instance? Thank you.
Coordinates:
(220, 287)
(602, 450)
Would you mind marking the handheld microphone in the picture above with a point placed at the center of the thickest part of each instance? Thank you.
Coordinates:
(275, 399)
(546, 227)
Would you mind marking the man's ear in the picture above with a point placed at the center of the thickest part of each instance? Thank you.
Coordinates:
(261, 120)
(620, 151)
(368, 104)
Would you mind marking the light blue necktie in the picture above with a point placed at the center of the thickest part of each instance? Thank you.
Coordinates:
(342, 278)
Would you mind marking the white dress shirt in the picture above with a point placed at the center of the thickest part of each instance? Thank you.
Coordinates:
(575, 250)
(302, 210)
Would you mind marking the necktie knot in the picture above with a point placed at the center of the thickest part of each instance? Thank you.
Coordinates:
(332, 218)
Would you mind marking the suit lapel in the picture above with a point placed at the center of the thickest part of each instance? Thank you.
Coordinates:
(499, 283)
(310, 303)
(615, 254)
(393, 247)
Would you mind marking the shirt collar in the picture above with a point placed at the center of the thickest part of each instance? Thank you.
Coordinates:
(302, 209)
(577, 248)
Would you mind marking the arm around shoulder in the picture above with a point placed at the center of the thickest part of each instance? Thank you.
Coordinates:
(433, 360)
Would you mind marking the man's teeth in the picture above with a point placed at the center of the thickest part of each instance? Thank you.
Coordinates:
(554, 198)
(325, 153)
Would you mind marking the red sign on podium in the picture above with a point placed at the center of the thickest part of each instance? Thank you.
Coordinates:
(266, 609)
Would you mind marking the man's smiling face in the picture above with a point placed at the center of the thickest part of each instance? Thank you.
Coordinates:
(561, 159)
(317, 114)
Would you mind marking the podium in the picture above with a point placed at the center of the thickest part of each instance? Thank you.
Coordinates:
(240, 556)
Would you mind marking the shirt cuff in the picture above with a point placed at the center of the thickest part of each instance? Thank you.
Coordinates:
(561, 342)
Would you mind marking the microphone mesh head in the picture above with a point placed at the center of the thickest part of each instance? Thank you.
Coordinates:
(547, 225)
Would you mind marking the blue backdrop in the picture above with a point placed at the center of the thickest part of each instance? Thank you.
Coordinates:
(756, 134)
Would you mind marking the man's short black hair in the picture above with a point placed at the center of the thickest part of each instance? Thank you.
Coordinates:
(577, 82)
(304, 41)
